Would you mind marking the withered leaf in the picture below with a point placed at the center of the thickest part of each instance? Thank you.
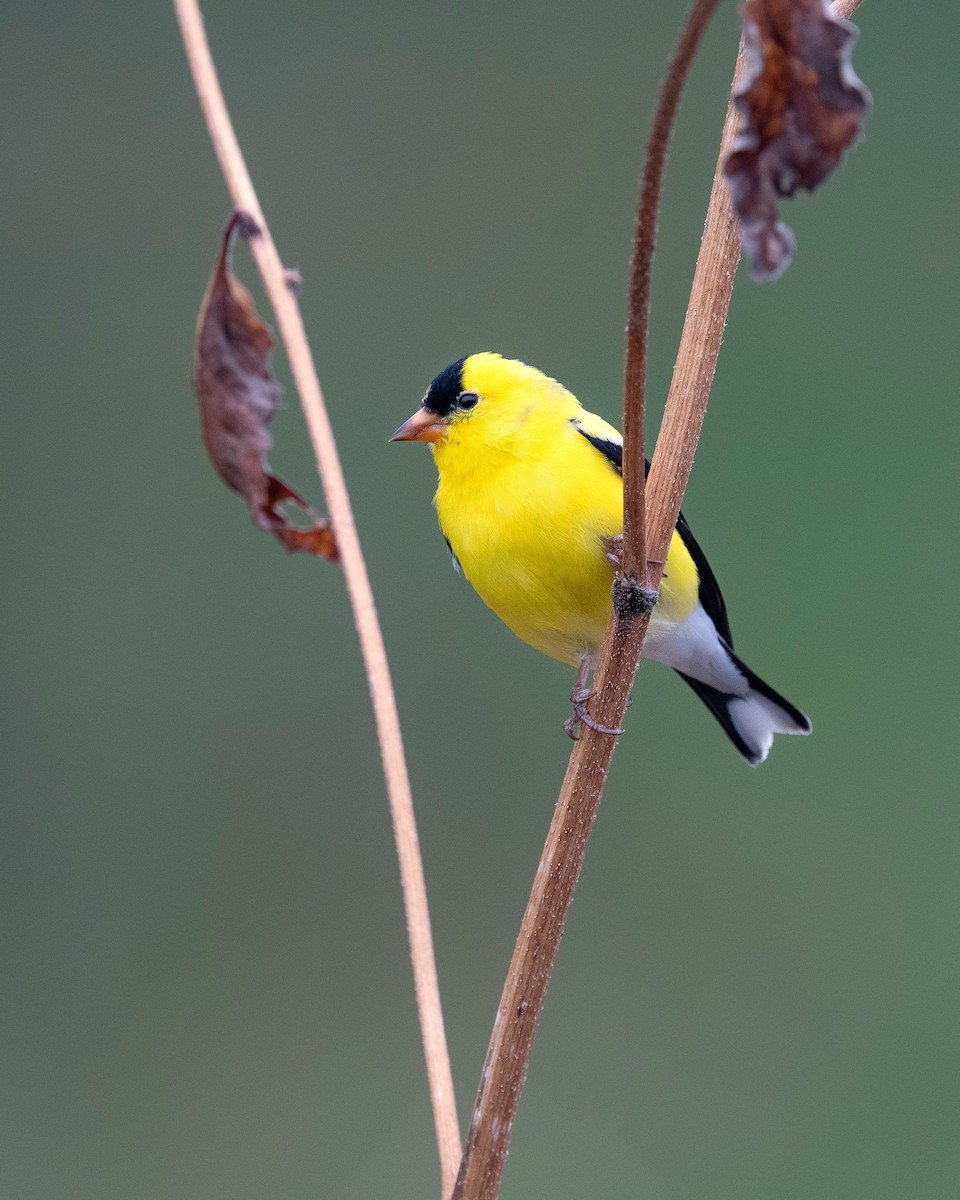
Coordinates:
(801, 106)
(238, 398)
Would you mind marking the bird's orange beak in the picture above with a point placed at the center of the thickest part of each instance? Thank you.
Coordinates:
(423, 426)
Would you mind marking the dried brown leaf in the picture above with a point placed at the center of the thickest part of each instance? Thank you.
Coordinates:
(801, 106)
(238, 398)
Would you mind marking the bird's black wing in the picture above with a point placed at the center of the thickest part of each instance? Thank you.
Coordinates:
(610, 448)
(709, 590)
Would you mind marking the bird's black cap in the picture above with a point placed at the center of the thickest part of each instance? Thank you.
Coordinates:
(443, 394)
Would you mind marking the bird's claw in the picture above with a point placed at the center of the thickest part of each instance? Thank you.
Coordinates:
(579, 698)
(614, 550)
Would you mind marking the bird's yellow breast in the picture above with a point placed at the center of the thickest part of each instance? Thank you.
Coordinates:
(529, 519)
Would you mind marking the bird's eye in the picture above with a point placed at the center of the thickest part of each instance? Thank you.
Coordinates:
(468, 400)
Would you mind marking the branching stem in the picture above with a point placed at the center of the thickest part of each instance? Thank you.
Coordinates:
(294, 337)
(521, 1003)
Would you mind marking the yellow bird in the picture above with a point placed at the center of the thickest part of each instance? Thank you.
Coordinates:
(530, 494)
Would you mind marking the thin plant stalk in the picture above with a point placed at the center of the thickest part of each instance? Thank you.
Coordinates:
(294, 338)
(635, 564)
(518, 1013)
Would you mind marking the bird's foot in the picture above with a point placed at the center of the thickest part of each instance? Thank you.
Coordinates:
(614, 548)
(579, 698)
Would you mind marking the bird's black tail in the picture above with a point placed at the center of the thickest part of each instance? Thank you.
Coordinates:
(750, 720)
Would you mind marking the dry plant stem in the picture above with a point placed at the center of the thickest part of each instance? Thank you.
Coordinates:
(520, 1005)
(700, 342)
(635, 564)
(294, 338)
(845, 8)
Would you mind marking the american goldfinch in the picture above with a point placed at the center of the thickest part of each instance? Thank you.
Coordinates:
(530, 493)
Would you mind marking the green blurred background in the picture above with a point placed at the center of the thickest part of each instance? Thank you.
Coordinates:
(206, 987)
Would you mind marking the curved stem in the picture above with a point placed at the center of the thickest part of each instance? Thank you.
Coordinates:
(635, 560)
(304, 372)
